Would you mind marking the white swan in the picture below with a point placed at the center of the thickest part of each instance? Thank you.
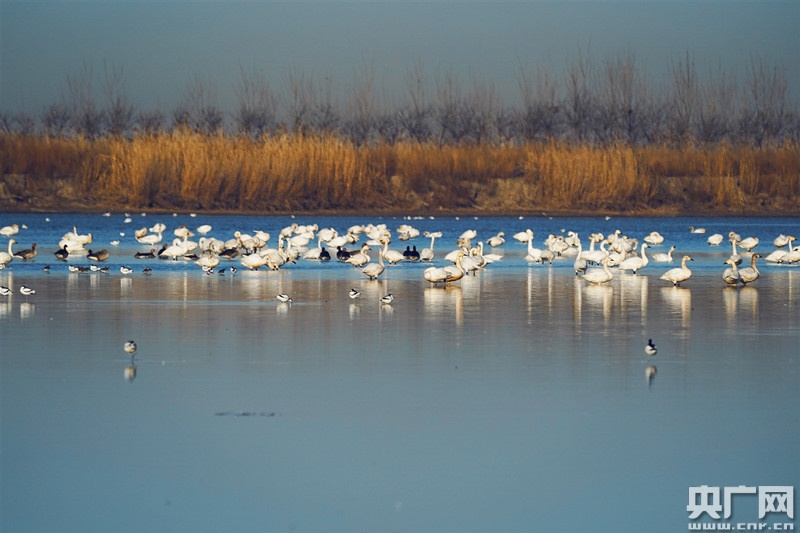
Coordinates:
(427, 253)
(359, 258)
(692, 229)
(715, 240)
(524, 236)
(7, 257)
(204, 229)
(373, 270)
(734, 253)
(580, 263)
(731, 274)
(662, 257)
(676, 276)
(8, 231)
(392, 256)
(748, 243)
(635, 263)
(253, 261)
(497, 241)
(751, 273)
(654, 239)
(599, 275)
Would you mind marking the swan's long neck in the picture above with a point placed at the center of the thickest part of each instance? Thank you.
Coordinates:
(10, 242)
(753, 263)
(733, 246)
(432, 239)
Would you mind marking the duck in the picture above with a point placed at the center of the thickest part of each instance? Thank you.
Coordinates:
(146, 255)
(324, 255)
(751, 273)
(62, 253)
(28, 253)
(102, 255)
(650, 348)
(676, 276)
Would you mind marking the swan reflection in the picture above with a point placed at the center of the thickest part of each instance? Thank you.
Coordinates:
(678, 300)
(748, 299)
(440, 303)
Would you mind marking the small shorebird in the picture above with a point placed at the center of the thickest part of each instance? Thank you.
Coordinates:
(26, 291)
(125, 270)
(284, 298)
(5, 291)
(354, 294)
(129, 346)
(388, 299)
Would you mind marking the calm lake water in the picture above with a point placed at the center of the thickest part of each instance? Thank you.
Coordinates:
(519, 399)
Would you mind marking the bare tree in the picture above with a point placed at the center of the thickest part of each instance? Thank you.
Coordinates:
(717, 107)
(325, 116)
(150, 122)
(88, 119)
(684, 100)
(119, 110)
(484, 102)
(56, 119)
(415, 114)
(620, 104)
(200, 100)
(257, 105)
(766, 110)
(540, 115)
(362, 105)
(578, 102)
(301, 99)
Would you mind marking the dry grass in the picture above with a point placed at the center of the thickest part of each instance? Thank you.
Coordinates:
(305, 173)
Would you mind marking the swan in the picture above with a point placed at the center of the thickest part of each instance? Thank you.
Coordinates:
(373, 270)
(496, 241)
(715, 240)
(777, 256)
(446, 275)
(315, 253)
(7, 257)
(182, 232)
(599, 275)
(749, 243)
(595, 256)
(662, 257)
(253, 261)
(150, 239)
(735, 254)
(580, 263)
(360, 258)
(427, 253)
(392, 256)
(208, 260)
(75, 237)
(650, 348)
(524, 236)
(654, 239)
(8, 231)
(636, 262)
(676, 276)
(692, 229)
(534, 254)
(204, 229)
(175, 250)
(751, 273)
(731, 274)
(781, 240)
(28, 253)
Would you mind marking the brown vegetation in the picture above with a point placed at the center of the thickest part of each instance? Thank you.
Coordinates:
(184, 170)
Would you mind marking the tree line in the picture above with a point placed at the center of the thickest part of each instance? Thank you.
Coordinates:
(592, 103)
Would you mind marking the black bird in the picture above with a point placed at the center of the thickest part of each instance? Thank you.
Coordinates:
(324, 255)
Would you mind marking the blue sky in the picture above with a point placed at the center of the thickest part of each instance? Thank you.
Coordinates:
(161, 46)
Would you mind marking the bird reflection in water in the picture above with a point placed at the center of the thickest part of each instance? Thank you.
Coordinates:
(650, 374)
(130, 371)
(679, 301)
(442, 303)
(26, 310)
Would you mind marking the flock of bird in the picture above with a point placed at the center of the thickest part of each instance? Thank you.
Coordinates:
(606, 254)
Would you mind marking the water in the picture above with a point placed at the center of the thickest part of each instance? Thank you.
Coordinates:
(517, 400)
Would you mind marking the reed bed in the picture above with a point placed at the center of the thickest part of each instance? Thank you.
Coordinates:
(295, 172)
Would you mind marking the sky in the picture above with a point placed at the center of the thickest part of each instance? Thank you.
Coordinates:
(162, 46)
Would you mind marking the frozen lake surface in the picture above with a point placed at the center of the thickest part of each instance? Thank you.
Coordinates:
(519, 399)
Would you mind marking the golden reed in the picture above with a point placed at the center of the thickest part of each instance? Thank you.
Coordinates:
(295, 172)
